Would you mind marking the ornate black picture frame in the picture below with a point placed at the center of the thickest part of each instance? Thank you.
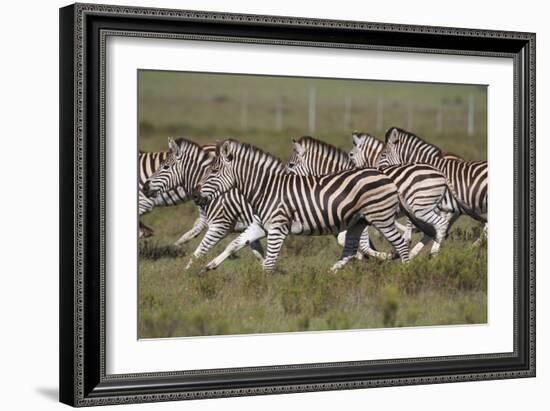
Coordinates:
(83, 30)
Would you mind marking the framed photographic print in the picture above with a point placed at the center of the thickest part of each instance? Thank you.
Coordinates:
(261, 204)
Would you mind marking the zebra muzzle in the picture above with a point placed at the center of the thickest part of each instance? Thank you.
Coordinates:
(198, 198)
(149, 192)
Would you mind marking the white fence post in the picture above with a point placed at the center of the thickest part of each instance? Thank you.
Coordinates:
(244, 111)
(471, 111)
(312, 113)
(380, 113)
(347, 114)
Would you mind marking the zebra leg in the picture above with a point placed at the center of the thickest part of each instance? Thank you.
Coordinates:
(401, 227)
(451, 218)
(200, 224)
(420, 245)
(145, 231)
(145, 205)
(440, 233)
(366, 247)
(275, 238)
(482, 237)
(353, 236)
(439, 223)
(407, 235)
(393, 235)
(214, 234)
(257, 250)
(253, 233)
(341, 238)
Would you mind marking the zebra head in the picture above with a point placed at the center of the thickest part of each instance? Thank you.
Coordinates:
(220, 176)
(297, 162)
(315, 157)
(182, 169)
(366, 150)
(405, 147)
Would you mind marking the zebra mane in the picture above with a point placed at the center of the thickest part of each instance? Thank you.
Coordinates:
(411, 136)
(190, 145)
(309, 141)
(247, 150)
(184, 141)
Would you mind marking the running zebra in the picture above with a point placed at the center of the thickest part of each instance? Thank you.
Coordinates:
(291, 204)
(467, 179)
(312, 157)
(421, 187)
(184, 168)
(148, 163)
(366, 153)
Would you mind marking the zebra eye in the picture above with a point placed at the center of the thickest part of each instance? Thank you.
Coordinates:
(165, 167)
(291, 165)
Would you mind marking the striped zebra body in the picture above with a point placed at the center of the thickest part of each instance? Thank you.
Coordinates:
(468, 180)
(308, 205)
(420, 187)
(311, 157)
(366, 153)
(228, 213)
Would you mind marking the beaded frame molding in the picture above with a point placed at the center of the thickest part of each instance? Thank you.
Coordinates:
(83, 32)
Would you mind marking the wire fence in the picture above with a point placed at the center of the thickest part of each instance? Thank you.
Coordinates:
(443, 116)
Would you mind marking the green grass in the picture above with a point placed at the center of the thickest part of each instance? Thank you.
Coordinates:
(302, 294)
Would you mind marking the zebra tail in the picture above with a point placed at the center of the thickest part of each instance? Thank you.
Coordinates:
(422, 226)
(465, 207)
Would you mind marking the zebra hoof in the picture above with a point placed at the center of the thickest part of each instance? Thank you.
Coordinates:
(207, 268)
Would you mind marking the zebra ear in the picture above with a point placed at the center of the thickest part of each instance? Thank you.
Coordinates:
(356, 138)
(172, 145)
(226, 151)
(392, 135)
(299, 148)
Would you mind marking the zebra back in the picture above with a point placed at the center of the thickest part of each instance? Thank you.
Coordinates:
(451, 156)
(315, 157)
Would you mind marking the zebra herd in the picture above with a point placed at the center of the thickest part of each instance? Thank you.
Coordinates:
(320, 190)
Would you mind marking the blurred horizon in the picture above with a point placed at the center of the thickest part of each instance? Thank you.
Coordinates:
(269, 111)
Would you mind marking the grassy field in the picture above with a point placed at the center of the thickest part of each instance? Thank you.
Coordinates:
(303, 295)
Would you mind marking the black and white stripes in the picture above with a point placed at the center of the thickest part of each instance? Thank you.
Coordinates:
(321, 190)
(421, 187)
(467, 179)
(307, 205)
(184, 168)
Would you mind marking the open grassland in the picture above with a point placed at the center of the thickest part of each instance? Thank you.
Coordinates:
(303, 295)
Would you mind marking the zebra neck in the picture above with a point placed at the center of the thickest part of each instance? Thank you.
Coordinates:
(338, 160)
(341, 164)
(191, 174)
(261, 188)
